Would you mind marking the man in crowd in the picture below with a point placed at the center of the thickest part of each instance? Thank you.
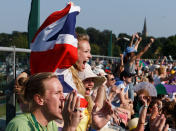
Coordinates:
(44, 93)
(110, 83)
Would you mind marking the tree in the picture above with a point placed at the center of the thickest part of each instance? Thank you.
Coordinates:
(116, 50)
(80, 30)
(170, 47)
(95, 49)
(19, 39)
(93, 34)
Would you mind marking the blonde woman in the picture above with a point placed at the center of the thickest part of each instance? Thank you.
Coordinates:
(71, 77)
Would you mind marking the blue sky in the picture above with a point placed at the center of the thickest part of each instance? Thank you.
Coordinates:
(120, 16)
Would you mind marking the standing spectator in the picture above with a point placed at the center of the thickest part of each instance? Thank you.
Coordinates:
(129, 62)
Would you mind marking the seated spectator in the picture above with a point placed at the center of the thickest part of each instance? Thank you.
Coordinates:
(125, 78)
(110, 83)
(90, 80)
(119, 68)
(19, 90)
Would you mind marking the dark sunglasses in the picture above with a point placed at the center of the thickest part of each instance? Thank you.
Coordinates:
(112, 79)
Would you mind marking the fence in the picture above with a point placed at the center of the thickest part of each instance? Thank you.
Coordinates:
(12, 62)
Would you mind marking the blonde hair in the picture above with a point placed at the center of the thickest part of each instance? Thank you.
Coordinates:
(161, 70)
(81, 89)
(81, 37)
(143, 91)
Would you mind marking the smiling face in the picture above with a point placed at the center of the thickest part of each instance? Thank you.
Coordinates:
(88, 84)
(83, 54)
(53, 98)
(110, 80)
(127, 79)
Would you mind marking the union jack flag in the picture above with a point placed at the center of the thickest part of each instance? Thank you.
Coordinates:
(54, 44)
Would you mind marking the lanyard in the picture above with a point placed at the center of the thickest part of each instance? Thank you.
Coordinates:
(35, 121)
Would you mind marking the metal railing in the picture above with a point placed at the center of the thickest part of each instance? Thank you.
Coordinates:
(11, 64)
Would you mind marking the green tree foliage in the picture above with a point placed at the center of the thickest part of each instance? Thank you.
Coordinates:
(122, 42)
(80, 30)
(95, 49)
(5, 39)
(94, 35)
(18, 39)
(116, 50)
(99, 41)
(169, 47)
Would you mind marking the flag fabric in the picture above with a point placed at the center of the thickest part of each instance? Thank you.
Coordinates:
(34, 19)
(54, 44)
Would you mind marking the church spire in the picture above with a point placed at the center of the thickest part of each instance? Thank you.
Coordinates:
(144, 31)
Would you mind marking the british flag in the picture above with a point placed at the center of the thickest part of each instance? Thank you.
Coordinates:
(55, 44)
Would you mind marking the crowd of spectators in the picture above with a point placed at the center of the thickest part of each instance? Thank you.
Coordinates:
(104, 96)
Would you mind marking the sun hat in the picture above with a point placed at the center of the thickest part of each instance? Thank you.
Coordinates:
(88, 73)
(132, 124)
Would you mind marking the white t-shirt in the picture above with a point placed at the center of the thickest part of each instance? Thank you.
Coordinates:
(120, 85)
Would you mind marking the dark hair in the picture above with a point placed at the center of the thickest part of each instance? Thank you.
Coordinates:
(125, 74)
(108, 74)
(150, 78)
(34, 85)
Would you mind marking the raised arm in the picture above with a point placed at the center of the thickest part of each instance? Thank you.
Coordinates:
(131, 43)
(99, 100)
(139, 39)
(162, 62)
(143, 51)
(142, 117)
(121, 60)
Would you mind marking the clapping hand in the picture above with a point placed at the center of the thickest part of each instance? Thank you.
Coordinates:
(100, 117)
(158, 124)
(71, 113)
